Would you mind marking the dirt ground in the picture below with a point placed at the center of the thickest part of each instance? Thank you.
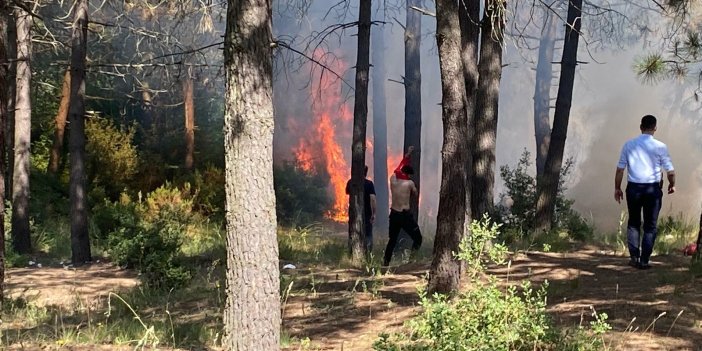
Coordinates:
(343, 309)
(656, 309)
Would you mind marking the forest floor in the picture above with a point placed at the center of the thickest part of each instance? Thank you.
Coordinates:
(330, 308)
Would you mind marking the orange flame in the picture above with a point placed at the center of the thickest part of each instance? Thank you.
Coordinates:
(320, 149)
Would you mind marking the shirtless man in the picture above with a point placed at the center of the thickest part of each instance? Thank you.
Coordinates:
(402, 187)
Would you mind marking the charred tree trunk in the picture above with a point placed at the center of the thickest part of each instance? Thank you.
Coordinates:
(252, 312)
(189, 103)
(5, 11)
(23, 127)
(469, 19)
(413, 95)
(547, 192)
(60, 121)
(11, 97)
(358, 146)
(697, 257)
(486, 107)
(444, 275)
(80, 240)
(380, 129)
(542, 91)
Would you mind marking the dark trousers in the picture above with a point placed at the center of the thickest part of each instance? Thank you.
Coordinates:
(401, 220)
(649, 198)
(369, 234)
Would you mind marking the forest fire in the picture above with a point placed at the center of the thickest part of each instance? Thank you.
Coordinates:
(320, 147)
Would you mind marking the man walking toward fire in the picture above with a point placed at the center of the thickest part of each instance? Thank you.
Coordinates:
(645, 158)
(368, 208)
(401, 188)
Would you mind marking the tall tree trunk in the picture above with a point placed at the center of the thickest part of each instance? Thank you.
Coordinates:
(548, 191)
(413, 95)
(469, 20)
(358, 146)
(542, 91)
(486, 108)
(252, 312)
(380, 128)
(189, 121)
(11, 97)
(80, 240)
(444, 275)
(5, 10)
(60, 124)
(23, 126)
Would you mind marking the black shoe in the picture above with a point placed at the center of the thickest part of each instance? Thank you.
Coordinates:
(634, 263)
(644, 266)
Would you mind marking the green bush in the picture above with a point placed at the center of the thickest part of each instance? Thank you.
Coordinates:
(301, 198)
(148, 235)
(488, 317)
(518, 217)
(112, 156)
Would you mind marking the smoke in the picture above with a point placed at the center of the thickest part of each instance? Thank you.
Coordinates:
(608, 103)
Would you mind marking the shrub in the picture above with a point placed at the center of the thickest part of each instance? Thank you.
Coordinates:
(517, 208)
(112, 156)
(486, 316)
(301, 198)
(148, 235)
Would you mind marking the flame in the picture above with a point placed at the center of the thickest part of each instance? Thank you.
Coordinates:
(320, 148)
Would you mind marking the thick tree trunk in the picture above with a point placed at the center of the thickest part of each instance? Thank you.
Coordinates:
(23, 127)
(189, 103)
(358, 146)
(380, 128)
(697, 257)
(542, 91)
(5, 11)
(548, 190)
(486, 108)
(80, 240)
(413, 95)
(444, 275)
(469, 19)
(60, 125)
(252, 312)
(11, 97)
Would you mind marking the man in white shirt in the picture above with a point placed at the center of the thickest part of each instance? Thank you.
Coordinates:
(645, 158)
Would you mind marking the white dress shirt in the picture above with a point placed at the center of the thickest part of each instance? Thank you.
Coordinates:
(644, 157)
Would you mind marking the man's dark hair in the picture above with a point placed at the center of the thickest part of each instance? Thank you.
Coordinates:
(648, 122)
(407, 169)
(365, 170)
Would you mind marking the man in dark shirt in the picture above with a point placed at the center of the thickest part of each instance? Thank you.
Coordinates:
(369, 208)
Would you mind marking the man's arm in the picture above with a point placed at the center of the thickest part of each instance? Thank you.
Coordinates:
(671, 182)
(405, 161)
(373, 206)
(414, 190)
(618, 176)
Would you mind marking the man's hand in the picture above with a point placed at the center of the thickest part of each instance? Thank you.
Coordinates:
(372, 219)
(410, 150)
(618, 195)
(671, 188)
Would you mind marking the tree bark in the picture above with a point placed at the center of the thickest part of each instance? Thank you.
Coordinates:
(60, 125)
(542, 91)
(60, 121)
(413, 96)
(444, 275)
(697, 256)
(23, 127)
(469, 20)
(548, 190)
(11, 97)
(358, 145)
(5, 11)
(189, 103)
(486, 108)
(380, 128)
(80, 240)
(252, 312)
